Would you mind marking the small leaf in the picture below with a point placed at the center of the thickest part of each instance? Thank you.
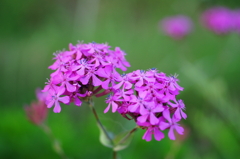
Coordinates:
(122, 140)
(104, 139)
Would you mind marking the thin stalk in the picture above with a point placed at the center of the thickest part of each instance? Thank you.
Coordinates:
(114, 154)
(55, 143)
(98, 121)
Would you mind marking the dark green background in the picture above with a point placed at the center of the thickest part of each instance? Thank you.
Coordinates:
(207, 64)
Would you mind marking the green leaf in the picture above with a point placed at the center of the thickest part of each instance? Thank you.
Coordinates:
(104, 139)
(122, 140)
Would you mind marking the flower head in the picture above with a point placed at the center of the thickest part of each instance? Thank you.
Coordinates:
(176, 26)
(82, 71)
(218, 19)
(236, 21)
(149, 97)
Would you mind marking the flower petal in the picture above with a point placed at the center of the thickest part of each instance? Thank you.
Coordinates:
(179, 129)
(177, 114)
(64, 99)
(96, 81)
(171, 133)
(147, 135)
(57, 108)
(107, 109)
(77, 101)
(70, 88)
(153, 119)
(114, 107)
(143, 118)
(158, 135)
(163, 125)
(85, 79)
(184, 115)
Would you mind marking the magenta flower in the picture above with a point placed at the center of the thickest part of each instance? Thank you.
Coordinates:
(111, 77)
(180, 106)
(119, 59)
(149, 114)
(138, 103)
(55, 99)
(140, 76)
(124, 81)
(41, 96)
(83, 71)
(112, 101)
(147, 97)
(176, 27)
(236, 21)
(218, 19)
(172, 125)
(153, 130)
(91, 75)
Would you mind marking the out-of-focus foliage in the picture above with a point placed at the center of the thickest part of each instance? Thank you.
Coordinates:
(207, 64)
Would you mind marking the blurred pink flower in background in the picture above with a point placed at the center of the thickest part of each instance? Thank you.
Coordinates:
(176, 26)
(236, 22)
(37, 111)
(218, 19)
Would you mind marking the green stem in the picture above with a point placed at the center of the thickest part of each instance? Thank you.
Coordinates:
(98, 121)
(114, 154)
(55, 143)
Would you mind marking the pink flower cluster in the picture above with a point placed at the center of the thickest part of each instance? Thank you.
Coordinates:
(79, 70)
(221, 20)
(149, 97)
(176, 27)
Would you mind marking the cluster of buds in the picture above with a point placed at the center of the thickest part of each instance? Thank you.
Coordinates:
(149, 97)
(80, 70)
(221, 20)
(37, 111)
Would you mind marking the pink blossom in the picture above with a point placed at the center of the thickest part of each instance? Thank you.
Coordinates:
(119, 59)
(176, 26)
(54, 99)
(146, 97)
(172, 125)
(124, 81)
(80, 70)
(137, 103)
(180, 106)
(112, 101)
(140, 76)
(218, 19)
(148, 113)
(158, 135)
(236, 20)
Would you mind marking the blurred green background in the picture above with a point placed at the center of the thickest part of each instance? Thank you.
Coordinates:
(207, 64)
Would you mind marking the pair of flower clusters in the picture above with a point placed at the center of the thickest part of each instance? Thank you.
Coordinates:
(147, 97)
(79, 70)
(220, 20)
